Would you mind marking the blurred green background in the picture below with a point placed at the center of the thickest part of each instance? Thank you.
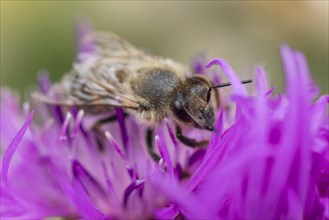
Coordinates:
(39, 35)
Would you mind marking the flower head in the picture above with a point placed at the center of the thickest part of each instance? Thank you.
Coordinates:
(270, 161)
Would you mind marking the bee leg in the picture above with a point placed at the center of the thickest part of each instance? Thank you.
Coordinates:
(100, 137)
(96, 127)
(189, 141)
(150, 145)
(109, 119)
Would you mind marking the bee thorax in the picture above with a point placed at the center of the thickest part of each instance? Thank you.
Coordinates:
(156, 86)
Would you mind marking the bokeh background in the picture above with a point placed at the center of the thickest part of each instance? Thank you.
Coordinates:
(39, 35)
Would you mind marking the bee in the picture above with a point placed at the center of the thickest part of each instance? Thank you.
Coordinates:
(117, 74)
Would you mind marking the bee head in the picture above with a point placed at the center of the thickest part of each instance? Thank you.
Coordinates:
(191, 104)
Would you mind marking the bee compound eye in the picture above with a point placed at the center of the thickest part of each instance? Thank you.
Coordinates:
(180, 112)
(178, 105)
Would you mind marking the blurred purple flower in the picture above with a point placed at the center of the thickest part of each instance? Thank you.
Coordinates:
(271, 162)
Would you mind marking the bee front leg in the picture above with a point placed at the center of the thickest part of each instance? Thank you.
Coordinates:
(190, 142)
(150, 144)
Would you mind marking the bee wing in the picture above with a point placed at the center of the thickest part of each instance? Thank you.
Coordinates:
(109, 45)
(87, 94)
(100, 81)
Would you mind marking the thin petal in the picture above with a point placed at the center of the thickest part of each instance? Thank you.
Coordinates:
(227, 69)
(9, 153)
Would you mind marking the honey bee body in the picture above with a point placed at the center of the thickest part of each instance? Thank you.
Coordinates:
(151, 88)
(117, 74)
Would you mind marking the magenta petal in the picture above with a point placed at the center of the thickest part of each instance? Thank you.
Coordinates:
(114, 144)
(77, 123)
(159, 140)
(227, 69)
(269, 92)
(109, 184)
(261, 81)
(216, 136)
(121, 120)
(82, 201)
(9, 153)
(238, 88)
(87, 181)
(186, 203)
(44, 82)
(198, 64)
(171, 133)
(196, 156)
(219, 154)
(85, 42)
(137, 184)
(64, 130)
(167, 213)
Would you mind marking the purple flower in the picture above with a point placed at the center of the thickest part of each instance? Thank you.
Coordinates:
(266, 160)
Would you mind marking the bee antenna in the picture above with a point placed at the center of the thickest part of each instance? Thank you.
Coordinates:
(228, 84)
